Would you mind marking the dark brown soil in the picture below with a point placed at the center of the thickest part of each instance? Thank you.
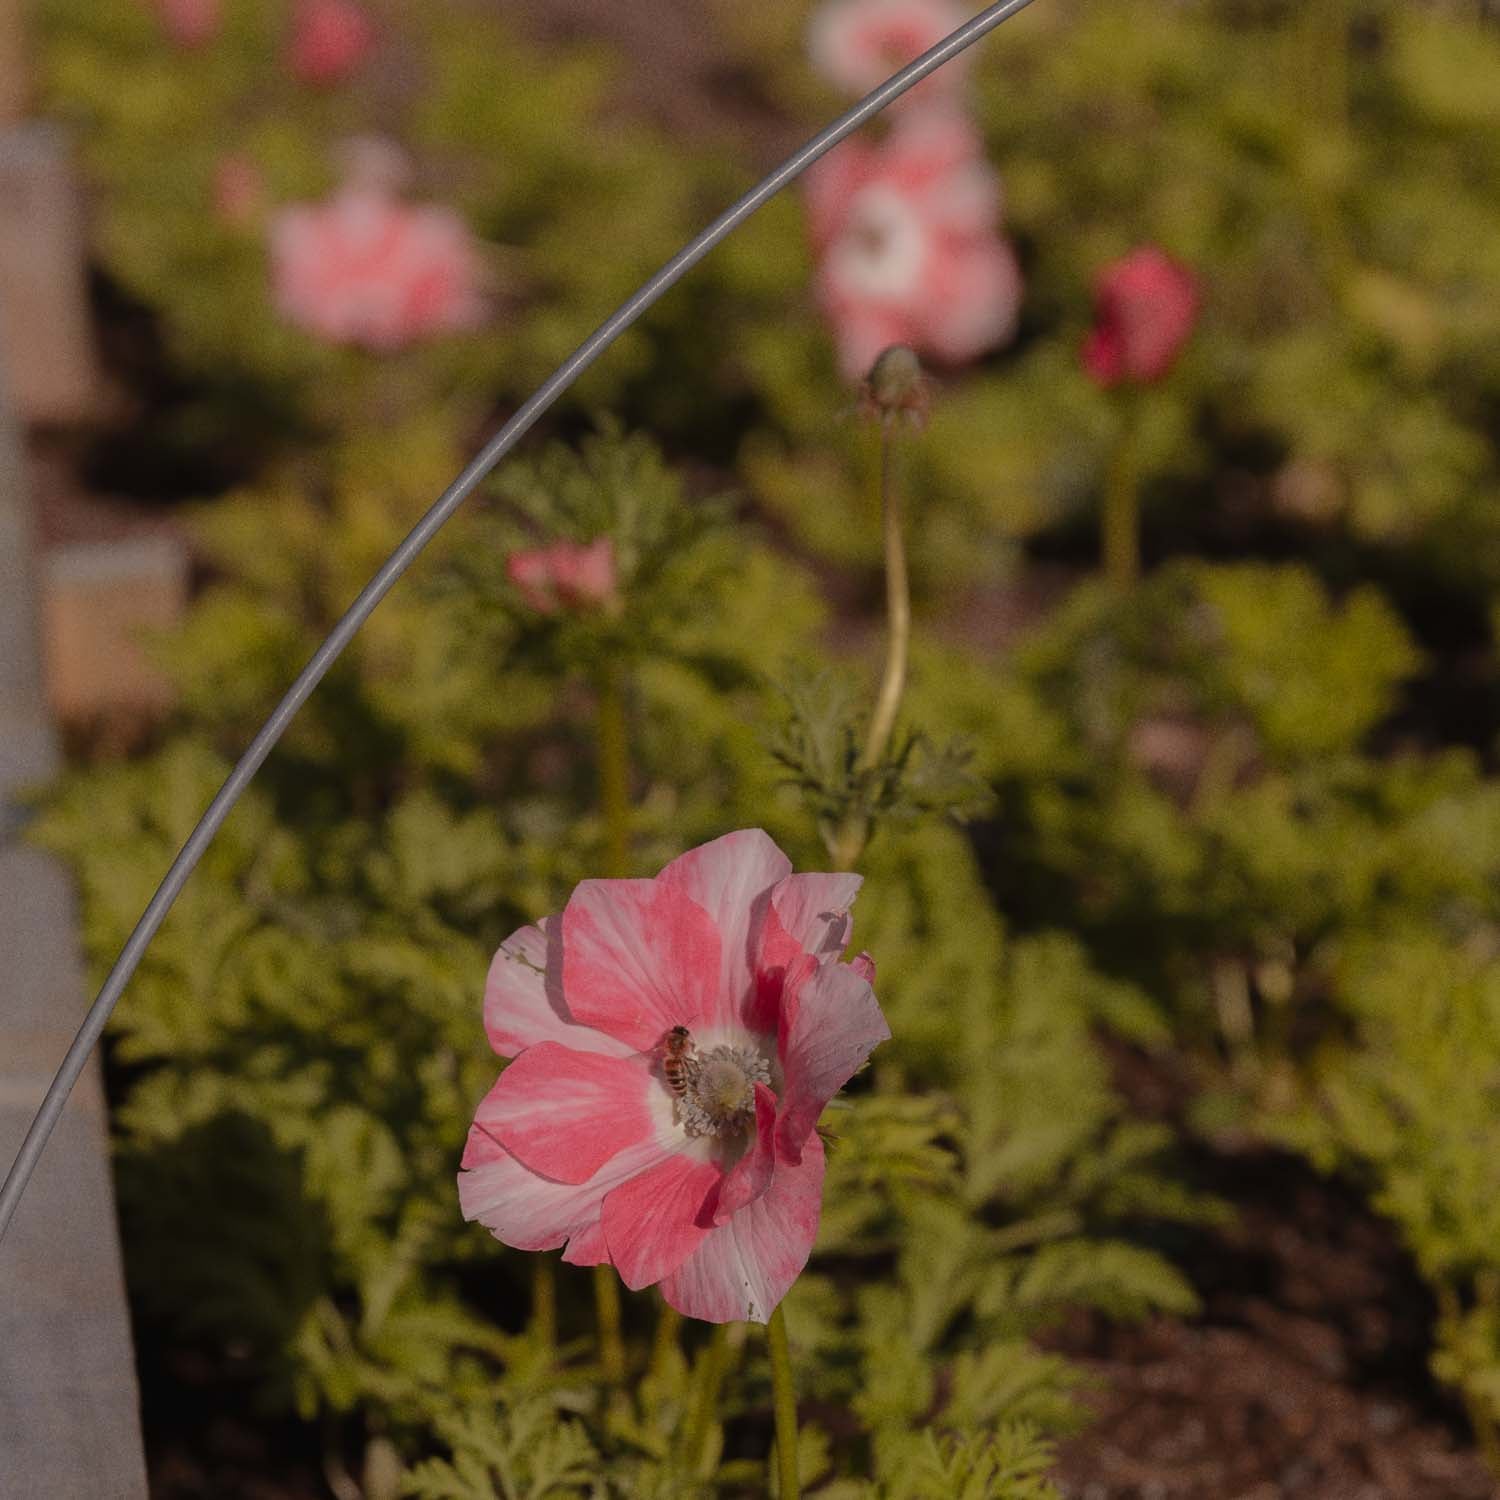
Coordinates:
(205, 1441)
(1306, 1375)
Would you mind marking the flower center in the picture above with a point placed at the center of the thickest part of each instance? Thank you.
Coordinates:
(884, 245)
(718, 1097)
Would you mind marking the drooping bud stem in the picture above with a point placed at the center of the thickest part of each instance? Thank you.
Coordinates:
(895, 392)
(897, 606)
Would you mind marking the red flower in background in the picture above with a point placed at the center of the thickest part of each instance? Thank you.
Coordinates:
(675, 1041)
(1145, 306)
(365, 268)
(857, 44)
(565, 575)
(330, 39)
(907, 246)
(190, 23)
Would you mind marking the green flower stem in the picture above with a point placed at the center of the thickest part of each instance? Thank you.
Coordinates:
(607, 1314)
(784, 1397)
(1121, 520)
(1320, 64)
(668, 1325)
(849, 842)
(614, 771)
(614, 803)
(897, 605)
(544, 1302)
(713, 1366)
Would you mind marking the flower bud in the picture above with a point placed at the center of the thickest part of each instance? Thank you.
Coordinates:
(896, 387)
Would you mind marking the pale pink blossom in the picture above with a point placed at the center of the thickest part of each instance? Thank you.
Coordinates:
(565, 575)
(857, 44)
(711, 1190)
(330, 40)
(365, 268)
(1145, 305)
(908, 253)
(239, 191)
(190, 23)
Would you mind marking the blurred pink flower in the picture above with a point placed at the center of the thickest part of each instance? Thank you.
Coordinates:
(365, 268)
(239, 191)
(565, 575)
(1144, 309)
(904, 232)
(190, 23)
(685, 1157)
(330, 39)
(857, 44)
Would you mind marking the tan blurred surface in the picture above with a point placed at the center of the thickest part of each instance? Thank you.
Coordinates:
(101, 602)
(69, 1407)
(47, 345)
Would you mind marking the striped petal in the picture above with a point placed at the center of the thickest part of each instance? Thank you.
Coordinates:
(564, 1113)
(742, 1269)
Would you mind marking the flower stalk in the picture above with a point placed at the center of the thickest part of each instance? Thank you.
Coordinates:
(1121, 518)
(897, 605)
(784, 1400)
(713, 1366)
(544, 1304)
(848, 843)
(614, 803)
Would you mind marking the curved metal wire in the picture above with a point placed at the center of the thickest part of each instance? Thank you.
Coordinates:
(422, 533)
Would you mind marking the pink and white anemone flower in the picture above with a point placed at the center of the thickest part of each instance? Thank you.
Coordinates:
(704, 1177)
(858, 44)
(904, 232)
(565, 575)
(367, 269)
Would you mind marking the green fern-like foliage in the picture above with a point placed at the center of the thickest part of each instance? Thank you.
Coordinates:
(312, 1006)
(1409, 1108)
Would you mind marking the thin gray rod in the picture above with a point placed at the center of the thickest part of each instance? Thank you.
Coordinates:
(419, 536)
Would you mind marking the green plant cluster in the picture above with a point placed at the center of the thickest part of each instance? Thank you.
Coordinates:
(1205, 778)
(303, 1049)
(1328, 168)
(528, 144)
(1222, 814)
(1336, 200)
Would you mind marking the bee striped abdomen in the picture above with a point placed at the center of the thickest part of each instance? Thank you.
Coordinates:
(678, 1063)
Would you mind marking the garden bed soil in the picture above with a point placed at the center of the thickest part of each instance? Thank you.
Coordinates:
(1305, 1377)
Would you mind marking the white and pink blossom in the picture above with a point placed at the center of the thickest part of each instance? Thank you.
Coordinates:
(711, 1191)
(367, 269)
(857, 44)
(565, 575)
(907, 247)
